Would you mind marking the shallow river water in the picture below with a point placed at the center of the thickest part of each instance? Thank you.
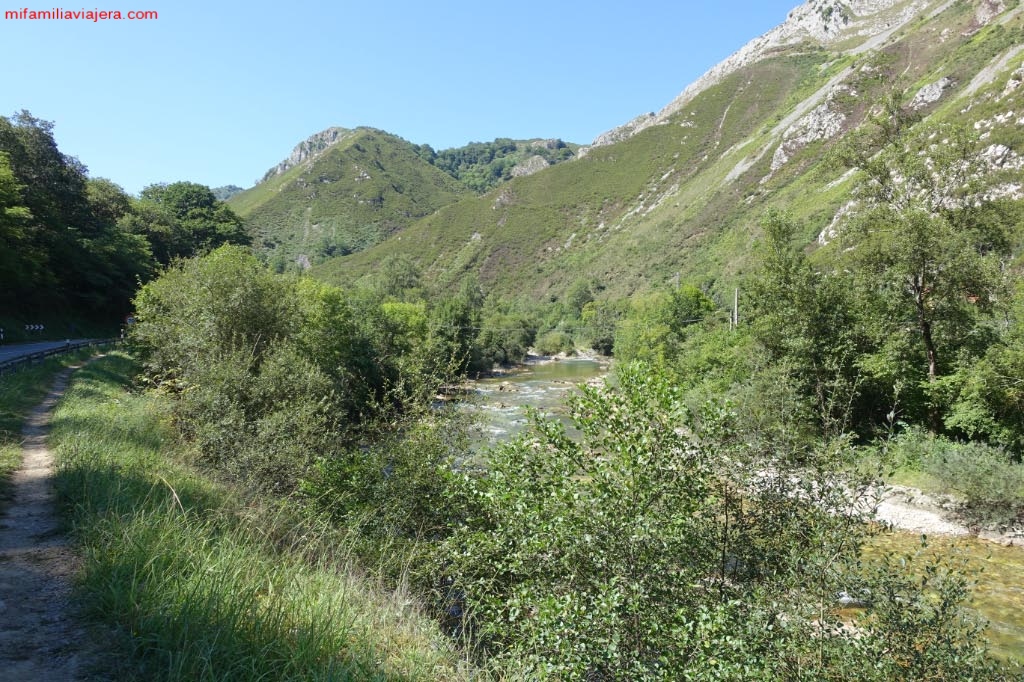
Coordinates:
(501, 403)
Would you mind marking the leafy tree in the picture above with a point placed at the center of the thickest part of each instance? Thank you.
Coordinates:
(20, 262)
(455, 324)
(63, 225)
(108, 202)
(504, 339)
(397, 278)
(806, 324)
(599, 319)
(987, 394)
(926, 260)
(53, 184)
(202, 307)
(183, 219)
(657, 324)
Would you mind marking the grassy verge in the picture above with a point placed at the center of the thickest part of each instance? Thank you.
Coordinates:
(19, 394)
(203, 584)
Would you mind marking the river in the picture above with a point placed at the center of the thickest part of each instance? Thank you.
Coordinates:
(501, 402)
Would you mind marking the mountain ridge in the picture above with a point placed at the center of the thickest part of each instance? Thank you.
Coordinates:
(684, 196)
(821, 20)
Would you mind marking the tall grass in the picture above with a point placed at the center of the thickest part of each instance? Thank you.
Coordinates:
(205, 584)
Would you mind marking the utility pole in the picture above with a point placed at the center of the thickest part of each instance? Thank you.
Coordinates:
(735, 321)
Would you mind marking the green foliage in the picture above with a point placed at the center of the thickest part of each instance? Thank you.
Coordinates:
(986, 396)
(649, 547)
(988, 481)
(505, 338)
(183, 219)
(455, 325)
(234, 340)
(273, 372)
(196, 309)
(483, 165)
(394, 496)
(657, 324)
(554, 342)
(60, 243)
(569, 551)
(397, 278)
(599, 319)
(917, 628)
(922, 261)
(226, 192)
(805, 322)
(20, 260)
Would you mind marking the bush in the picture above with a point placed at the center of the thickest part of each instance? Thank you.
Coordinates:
(555, 342)
(984, 477)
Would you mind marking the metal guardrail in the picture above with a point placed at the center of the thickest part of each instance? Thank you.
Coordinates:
(15, 364)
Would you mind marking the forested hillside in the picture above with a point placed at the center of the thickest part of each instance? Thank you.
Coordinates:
(75, 247)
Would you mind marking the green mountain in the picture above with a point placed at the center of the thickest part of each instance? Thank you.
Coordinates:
(681, 192)
(341, 191)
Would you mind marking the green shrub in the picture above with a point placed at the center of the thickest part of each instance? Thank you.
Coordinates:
(986, 478)
(991, 485)
(555, 342)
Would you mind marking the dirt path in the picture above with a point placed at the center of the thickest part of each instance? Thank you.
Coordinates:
(38, 638)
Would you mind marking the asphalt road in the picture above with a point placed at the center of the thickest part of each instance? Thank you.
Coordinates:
(10, 351)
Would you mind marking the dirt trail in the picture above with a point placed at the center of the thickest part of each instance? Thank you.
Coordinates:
(39, 640)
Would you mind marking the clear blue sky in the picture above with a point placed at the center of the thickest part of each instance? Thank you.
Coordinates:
(217, 92)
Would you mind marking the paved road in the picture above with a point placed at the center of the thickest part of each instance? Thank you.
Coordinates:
(10, 351)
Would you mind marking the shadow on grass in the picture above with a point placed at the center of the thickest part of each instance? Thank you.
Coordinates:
(196, 597)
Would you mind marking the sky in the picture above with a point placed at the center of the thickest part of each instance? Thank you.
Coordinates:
(217, 92)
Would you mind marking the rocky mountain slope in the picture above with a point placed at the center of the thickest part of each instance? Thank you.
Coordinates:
(680, 192)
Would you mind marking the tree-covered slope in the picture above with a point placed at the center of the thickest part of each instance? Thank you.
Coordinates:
(681, 193)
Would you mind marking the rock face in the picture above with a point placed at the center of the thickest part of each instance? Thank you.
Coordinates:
(1013, 82)
(988, 9)
(307, 149)
(529, 167)
(931, 93)
(622, 132)
(822, 123)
